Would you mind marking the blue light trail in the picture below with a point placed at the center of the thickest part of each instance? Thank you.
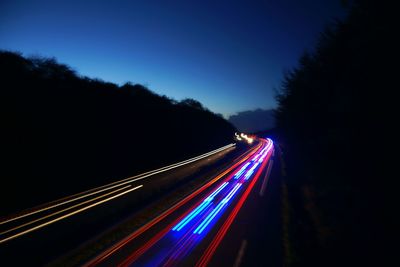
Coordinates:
(216, 210)
(207, 202)
(237, 175)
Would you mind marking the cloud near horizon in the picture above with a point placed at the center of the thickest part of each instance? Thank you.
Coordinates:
(251, 121)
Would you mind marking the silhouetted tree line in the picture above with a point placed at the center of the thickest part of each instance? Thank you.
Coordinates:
(330, 117)
(63, 133)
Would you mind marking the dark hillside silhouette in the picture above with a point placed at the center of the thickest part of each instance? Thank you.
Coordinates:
(66, 132)
(330, 118)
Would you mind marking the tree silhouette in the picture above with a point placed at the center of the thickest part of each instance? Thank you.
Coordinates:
(65, 131)
(329, 114)
(192, 103)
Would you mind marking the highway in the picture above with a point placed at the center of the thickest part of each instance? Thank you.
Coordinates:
(181, 214)
(191, 232)
(38, 217)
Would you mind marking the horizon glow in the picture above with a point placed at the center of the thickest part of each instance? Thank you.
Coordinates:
(228, 57)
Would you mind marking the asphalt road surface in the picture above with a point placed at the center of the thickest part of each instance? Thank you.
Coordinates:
(218, 209)
(222, 223)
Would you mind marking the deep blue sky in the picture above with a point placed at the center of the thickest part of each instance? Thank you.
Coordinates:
(228, 55)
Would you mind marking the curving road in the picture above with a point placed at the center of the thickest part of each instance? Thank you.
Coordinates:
(190, 232)
(30, 220)
(190, 213)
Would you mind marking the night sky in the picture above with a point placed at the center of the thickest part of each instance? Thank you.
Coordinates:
(228, 55)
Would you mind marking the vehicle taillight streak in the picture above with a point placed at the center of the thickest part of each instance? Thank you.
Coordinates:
(171, 245)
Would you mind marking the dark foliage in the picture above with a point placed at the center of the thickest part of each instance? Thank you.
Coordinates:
(330, 118)
(64, 133)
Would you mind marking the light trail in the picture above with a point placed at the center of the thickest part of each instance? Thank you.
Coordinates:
(110, 186)
(113, 249)
(59, 204)
(265, 180)
(63, 210)
(188, 241)
(204, 204)
(217, 209)
(202, 215)
(211, 197)
(206, 257)
(237, 175)
(156, 238)
(90, 193)
(240, 254)
(196, 211)
(68, 215)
